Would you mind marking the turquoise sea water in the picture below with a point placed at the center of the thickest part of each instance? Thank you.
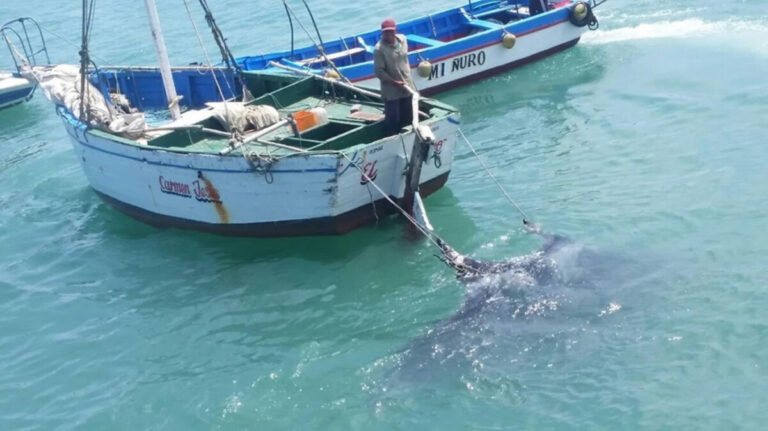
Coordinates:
(645, 144)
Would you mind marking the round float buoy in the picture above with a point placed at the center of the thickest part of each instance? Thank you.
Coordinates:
(508, 40)
(332, 74)
(580, 14)
(425, 69)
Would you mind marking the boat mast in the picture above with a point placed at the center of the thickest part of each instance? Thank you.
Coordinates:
(162, 57)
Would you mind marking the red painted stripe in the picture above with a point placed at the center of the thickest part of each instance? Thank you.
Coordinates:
(457, 54)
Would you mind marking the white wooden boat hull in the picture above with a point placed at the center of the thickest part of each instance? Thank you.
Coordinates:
(300, 195)
(14, 89)
(481, 62)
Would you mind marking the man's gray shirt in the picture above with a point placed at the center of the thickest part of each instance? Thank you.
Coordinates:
(390, 62)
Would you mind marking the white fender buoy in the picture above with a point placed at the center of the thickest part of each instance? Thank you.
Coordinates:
(508, 40)
(580, 11)
(425, 69)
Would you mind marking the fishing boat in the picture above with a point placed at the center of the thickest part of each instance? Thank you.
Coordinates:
(448, 48)
(14, 87)
(304, 156)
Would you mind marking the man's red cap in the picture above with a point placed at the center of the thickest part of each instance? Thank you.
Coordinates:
(388, 24)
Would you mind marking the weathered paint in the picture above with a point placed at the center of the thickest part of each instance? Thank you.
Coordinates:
(213, 196)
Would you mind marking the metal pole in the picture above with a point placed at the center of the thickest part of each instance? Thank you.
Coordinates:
(328, 80)
(162, 57)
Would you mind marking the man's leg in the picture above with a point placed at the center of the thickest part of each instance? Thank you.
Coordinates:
(392, 116)
(406, 111)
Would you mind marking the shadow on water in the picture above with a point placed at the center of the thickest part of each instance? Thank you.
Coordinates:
(162, 269)
(235, 251)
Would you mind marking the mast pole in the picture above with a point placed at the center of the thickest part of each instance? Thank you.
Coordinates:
(162, 57)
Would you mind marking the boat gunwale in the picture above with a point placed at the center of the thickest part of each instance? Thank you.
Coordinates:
(128, 143)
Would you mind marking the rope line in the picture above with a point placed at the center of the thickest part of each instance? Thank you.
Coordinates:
(69, 42)
(431, 236)
(498, 184)
(205, 54)
(319, 47)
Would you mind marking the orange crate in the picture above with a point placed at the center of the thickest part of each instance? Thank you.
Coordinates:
(304, 120)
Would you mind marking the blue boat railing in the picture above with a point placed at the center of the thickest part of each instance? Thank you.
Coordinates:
(31, 41)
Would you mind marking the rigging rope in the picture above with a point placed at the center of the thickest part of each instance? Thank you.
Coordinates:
(312, 17)
(526, 222)
(319, 47)
(205, 54)
(290, 22)
(431, 236)
(68, 42)
(226, 53)
(87, 25)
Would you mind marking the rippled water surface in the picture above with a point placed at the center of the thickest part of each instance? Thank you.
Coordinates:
(644, 144)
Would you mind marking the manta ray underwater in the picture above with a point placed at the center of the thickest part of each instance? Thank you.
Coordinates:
(513, 308)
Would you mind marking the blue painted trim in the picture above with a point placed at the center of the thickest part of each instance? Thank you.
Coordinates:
(453, 120)
(67, 116)
(446, 24)
(16, 95)
(421, 40)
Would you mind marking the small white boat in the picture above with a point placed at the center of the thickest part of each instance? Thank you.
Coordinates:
(26, 43)
(14, 89)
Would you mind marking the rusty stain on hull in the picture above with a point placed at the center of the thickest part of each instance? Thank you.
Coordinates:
(215, 198)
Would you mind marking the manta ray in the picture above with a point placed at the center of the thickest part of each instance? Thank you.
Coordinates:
(511, 308)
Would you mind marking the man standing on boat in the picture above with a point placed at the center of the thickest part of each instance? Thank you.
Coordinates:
(390, 61)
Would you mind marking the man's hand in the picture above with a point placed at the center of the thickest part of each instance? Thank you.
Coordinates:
(400, 83)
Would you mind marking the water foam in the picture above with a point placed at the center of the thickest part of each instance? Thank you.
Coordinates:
(691, 27)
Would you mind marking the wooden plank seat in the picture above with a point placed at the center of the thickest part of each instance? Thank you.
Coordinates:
(479, 23)
(421, 40)
(333, 56)
(365, 46)
(484, 25)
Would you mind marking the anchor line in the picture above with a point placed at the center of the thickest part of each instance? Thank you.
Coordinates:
(447, 255)
(431, 236)
(526, 222)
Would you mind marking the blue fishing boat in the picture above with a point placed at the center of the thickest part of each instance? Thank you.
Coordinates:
(448, 48)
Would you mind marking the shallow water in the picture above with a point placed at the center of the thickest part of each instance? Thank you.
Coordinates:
(644, 143)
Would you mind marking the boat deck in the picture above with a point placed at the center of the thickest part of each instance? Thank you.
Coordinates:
(336, 118)
(346, 119)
